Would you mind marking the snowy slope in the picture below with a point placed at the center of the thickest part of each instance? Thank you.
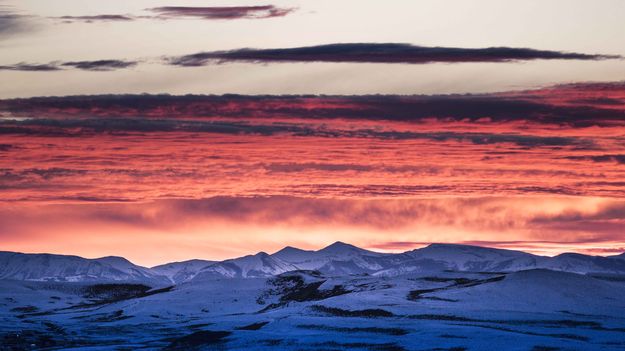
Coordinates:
(540, 290)
(527, 310)
(576, 263)
(251, 266)
(478, 259)
(620, 257)
(483, 259)
(180, 272)
(48, 267)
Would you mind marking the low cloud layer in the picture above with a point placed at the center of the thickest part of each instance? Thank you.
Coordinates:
(380, 53)
(403, 224)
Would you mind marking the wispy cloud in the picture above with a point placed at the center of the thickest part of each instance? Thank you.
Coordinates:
(100, 65)
(380, 53)
(97, 65)
(620, 159)
(188, 12)
(96, 18)
(221, 13)
(31, 67)
(13, 23)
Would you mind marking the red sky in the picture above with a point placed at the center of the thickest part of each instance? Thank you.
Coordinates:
(385, 126)
(158, 179)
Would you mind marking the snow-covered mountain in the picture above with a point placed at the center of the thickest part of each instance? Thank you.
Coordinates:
(180, 272)
(577, 263)
(467, 258)
(338, 259)
(251, 266)
(48, 267)
(475, 258)
(437, 297)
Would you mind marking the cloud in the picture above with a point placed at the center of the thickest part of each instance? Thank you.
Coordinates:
(96, 18)
(371, 53)
(607, 212)
(100, 65)
(292, 210)
(88, 126)
(605, 223)
(97, 65)
(145, 147)
(520, 216)
(31, 67)
(380, 53)
(221, 13)
(620, 159)
(186, 12)
(506, 107)
(12, 23)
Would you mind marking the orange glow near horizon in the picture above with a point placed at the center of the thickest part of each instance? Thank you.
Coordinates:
(199, 229)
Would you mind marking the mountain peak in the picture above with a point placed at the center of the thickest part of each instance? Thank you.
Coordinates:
(290, 253)
(341, 248)
(289, 249)
(339, 245)
(113, 259)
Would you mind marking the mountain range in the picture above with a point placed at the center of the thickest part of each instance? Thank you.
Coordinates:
(338, 259)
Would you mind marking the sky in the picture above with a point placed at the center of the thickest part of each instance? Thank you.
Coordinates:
(169, 130)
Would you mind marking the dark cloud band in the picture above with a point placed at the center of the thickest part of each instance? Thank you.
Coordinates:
(354, 53)
(89, 126)
(379, 53)
(519, 106)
